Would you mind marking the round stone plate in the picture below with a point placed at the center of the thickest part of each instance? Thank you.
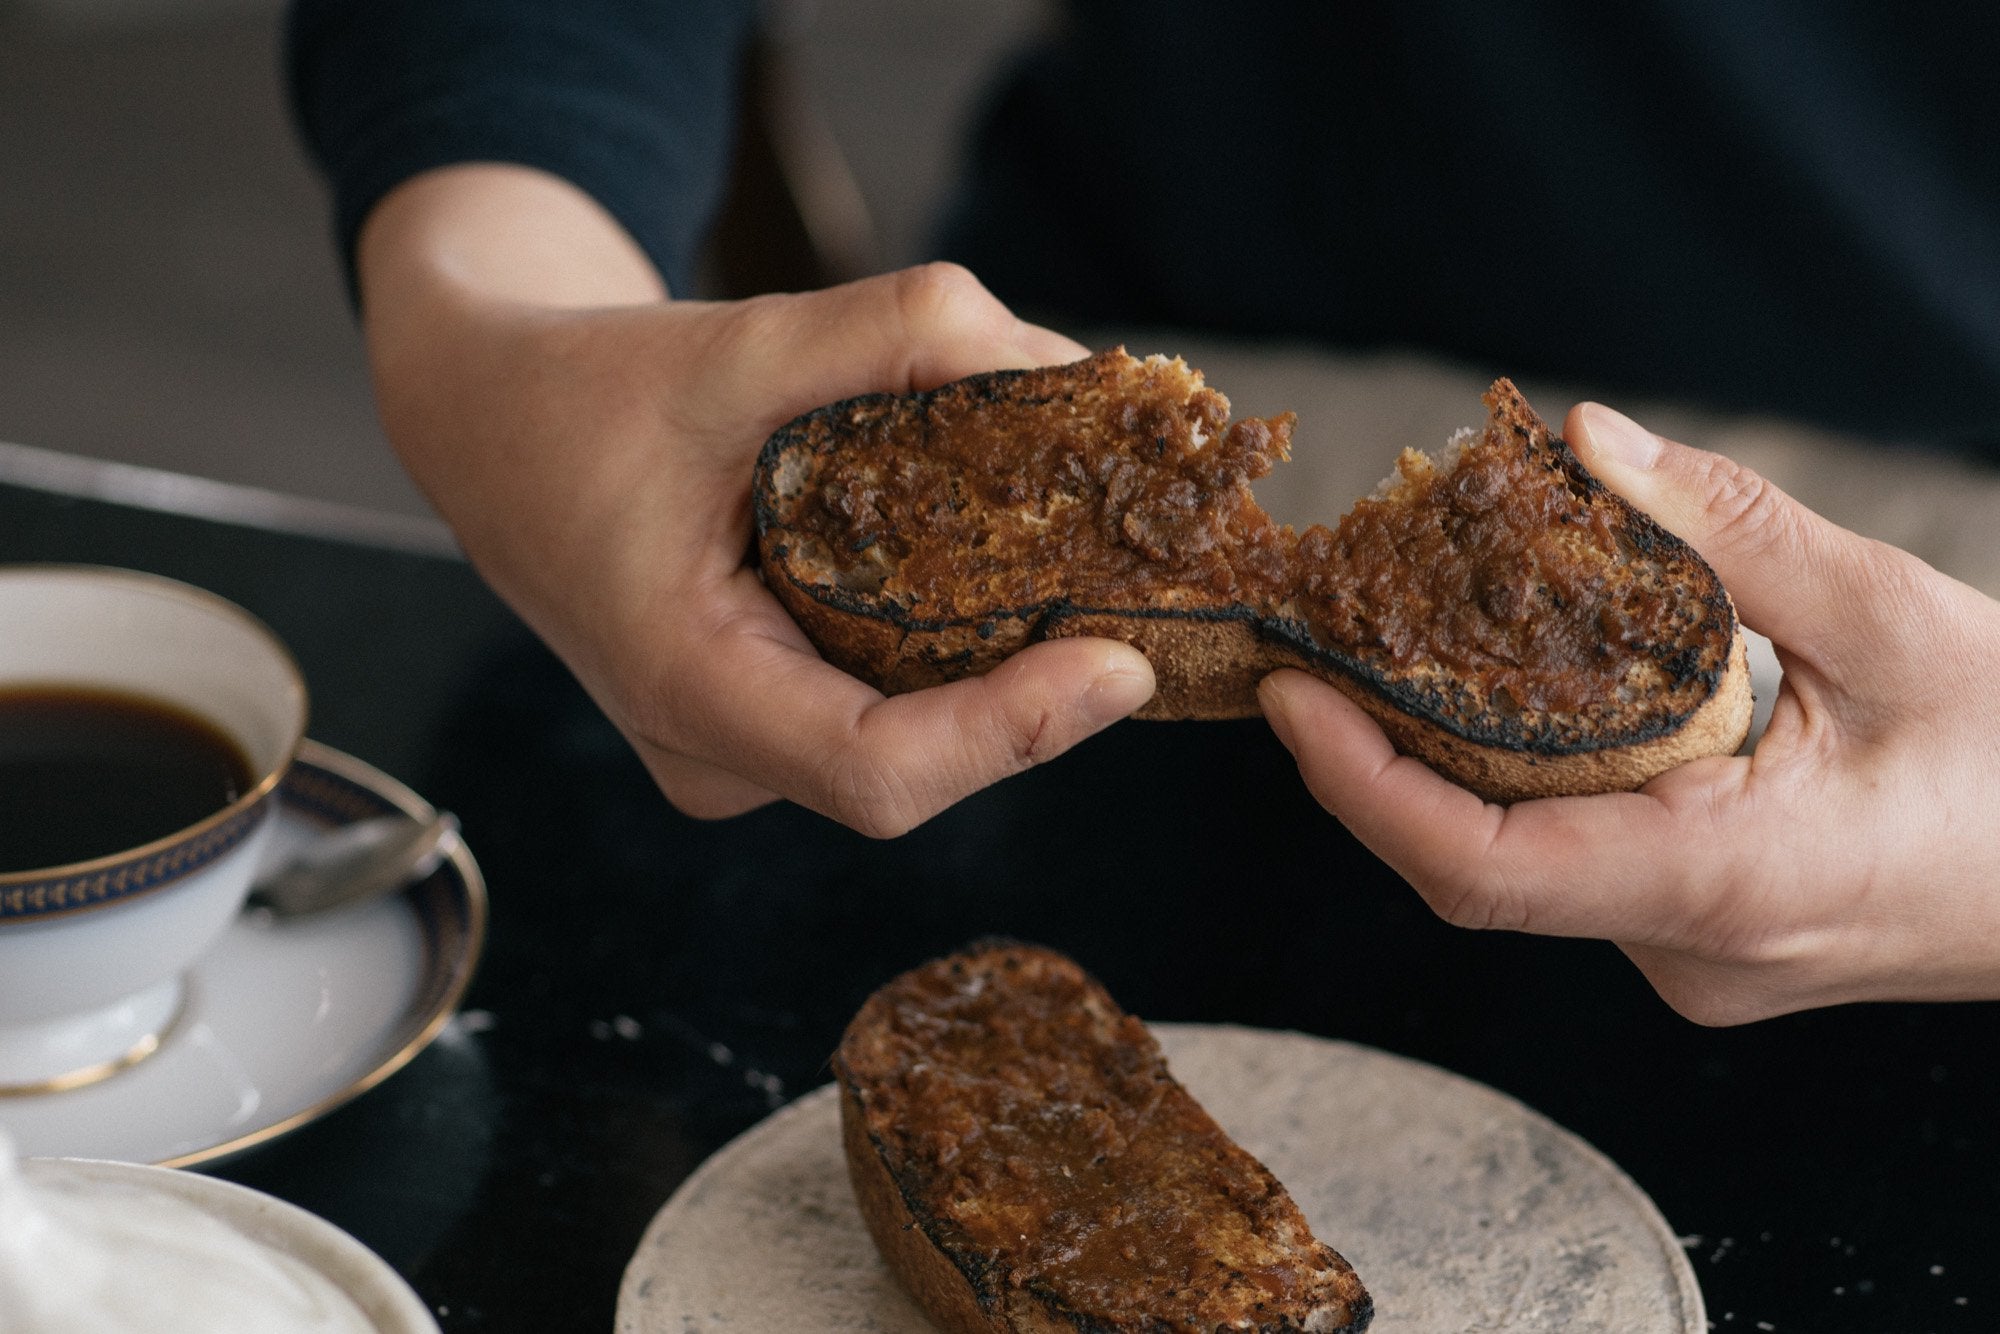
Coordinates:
(1460, 1208)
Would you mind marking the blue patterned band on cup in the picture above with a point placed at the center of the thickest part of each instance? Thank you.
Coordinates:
(110, 880)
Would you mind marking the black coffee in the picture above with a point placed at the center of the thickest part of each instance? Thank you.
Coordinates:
(86, 773)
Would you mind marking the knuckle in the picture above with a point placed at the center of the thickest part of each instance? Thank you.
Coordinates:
(1026, 736)
(748, 329)
(884, 795)
(1477, 904)
(938, 295)
(867, 795)
(1746, 513)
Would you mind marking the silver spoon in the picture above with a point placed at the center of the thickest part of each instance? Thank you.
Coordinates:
(356, 862)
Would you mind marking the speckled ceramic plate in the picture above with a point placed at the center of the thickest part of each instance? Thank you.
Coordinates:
(1460, 1208)
(285, 1020)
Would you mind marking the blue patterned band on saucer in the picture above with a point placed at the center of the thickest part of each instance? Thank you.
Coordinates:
(332, 797)
(110, 880)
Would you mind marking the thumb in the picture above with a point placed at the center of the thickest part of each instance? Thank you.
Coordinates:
(1793, 574)
(913, 329)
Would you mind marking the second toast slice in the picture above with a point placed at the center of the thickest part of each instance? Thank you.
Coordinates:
(1027, 1165)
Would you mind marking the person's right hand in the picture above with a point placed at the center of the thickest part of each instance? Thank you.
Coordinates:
(591, 443)
(1854, 855)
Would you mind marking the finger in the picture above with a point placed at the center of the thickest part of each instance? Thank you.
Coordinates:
(1623, 866)
(909, 330)
(1795, 576)
(788, 721)
(1046, 347)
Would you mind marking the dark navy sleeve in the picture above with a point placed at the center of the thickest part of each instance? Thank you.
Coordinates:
(633, 101)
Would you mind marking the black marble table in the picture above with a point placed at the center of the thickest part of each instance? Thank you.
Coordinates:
(653, 985)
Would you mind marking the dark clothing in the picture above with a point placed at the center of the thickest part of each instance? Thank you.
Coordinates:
(1792, 205)
(634, 101)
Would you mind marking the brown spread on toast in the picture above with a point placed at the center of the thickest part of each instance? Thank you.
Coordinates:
(1500, 613)
(1496, 569)
(995, 504)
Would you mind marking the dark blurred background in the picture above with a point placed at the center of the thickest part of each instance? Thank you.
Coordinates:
(169, 296)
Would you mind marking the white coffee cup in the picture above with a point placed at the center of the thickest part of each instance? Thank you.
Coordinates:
(94, 954)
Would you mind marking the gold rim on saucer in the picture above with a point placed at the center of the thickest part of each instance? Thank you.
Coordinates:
(324, 789)
(340, 789)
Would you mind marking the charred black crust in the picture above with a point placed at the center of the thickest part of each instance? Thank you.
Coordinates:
(977, 1272)
(1447, 713)
(1431, 706)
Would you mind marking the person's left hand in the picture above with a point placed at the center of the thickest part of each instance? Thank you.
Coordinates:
(1854, 856)
(591, 442)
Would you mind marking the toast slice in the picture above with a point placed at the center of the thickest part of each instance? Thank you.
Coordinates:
(1502, 615)
(1026, 1163)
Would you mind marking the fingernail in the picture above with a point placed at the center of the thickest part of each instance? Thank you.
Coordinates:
(1620, 439)
(1045, 347)
(1115, 695)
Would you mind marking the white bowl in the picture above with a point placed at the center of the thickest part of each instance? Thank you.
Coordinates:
(263, 1222)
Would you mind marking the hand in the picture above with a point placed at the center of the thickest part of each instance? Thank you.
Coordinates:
(1854, 856)
(591, 444)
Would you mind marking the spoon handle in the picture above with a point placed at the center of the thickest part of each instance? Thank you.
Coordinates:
(357, 862)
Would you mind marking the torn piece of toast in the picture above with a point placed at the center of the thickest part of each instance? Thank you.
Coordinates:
(1027, 1165)
(1502, 615)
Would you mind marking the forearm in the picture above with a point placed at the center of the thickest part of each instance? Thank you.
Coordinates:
(468, 276)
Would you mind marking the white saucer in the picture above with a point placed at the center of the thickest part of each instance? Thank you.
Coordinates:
(1459, 1207)
(283, 1021)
